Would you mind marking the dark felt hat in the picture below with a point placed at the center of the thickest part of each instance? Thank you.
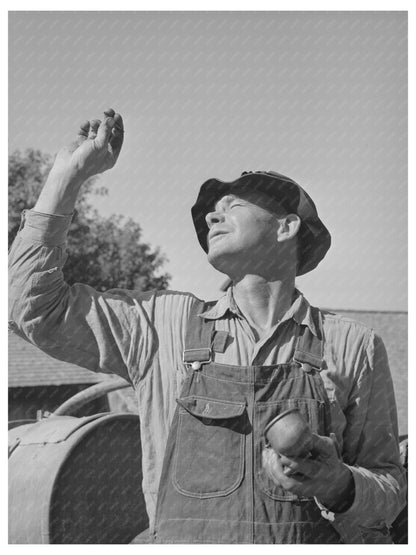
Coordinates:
(314, 237)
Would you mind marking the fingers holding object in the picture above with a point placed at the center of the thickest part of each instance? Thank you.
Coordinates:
(275, 470)
(118, 127)
(324, 447)
(117, 134)
(290, 467)
(105, 129)
(94, 125)
(301, 468)
(118, 123)
(272, 465)
(111, 130)
(84, 129)
(296, 468)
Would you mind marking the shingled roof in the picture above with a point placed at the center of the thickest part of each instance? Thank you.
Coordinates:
(29, 366)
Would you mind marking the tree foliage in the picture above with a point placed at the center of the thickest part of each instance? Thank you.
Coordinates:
(103, 252)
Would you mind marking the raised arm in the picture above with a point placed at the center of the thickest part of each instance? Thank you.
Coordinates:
(99, 331)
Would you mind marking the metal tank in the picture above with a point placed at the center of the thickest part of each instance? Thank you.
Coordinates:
(77, 480)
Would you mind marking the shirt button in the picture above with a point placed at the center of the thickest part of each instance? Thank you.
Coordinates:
(196, 365)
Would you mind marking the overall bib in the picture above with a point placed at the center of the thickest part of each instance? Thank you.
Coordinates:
(213, 488)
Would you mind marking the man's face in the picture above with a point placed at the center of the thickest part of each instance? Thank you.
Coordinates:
(242, 232)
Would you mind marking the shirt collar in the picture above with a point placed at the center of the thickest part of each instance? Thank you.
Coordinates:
(225, 304)
(300, 310)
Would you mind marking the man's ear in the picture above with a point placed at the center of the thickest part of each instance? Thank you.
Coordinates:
(288, 227)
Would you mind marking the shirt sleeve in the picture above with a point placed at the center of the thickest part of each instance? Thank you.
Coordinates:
(372, 450)
(77, 324)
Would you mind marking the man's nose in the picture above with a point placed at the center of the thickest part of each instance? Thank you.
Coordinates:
(214, 218)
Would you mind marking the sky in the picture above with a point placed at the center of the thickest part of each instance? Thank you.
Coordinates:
(318, 96)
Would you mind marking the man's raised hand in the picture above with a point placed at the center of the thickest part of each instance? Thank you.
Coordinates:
(95, 150)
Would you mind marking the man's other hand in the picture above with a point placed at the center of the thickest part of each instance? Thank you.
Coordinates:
(322, 474)
(95, 150)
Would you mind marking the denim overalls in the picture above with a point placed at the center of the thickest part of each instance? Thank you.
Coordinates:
(213, 488)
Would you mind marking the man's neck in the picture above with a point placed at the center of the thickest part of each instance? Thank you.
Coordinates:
(262, 302)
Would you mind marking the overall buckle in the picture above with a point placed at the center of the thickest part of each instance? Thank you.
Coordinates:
(196, 357)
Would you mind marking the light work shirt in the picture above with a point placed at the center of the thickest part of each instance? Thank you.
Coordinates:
(140, 336)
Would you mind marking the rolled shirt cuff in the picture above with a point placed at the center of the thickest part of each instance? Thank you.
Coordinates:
(352, 523)
(48, 229)
(347, 522)
(355, 510)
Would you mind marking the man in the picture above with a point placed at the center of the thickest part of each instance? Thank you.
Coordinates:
(210, 376)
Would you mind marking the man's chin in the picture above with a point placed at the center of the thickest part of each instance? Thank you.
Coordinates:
(213, 256)
(218, 260)
(224, 262)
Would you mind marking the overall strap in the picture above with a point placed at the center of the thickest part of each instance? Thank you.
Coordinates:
(199, 335)
(309, 350)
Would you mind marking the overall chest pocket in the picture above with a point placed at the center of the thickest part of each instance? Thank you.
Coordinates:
(313, 411)
(210, 444)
